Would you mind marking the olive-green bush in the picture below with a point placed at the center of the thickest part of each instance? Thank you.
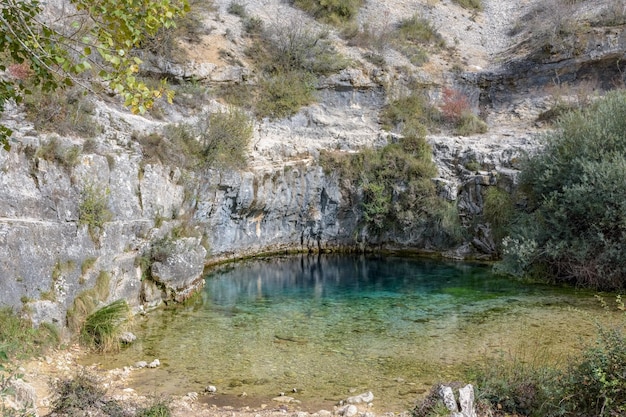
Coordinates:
(573, 226)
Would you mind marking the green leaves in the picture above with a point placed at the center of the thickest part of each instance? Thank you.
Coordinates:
(115, 29)
(576, 196)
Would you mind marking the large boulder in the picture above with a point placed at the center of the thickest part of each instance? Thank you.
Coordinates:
(179, 271)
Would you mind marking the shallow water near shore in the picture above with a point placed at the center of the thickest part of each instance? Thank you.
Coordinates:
(329, 327)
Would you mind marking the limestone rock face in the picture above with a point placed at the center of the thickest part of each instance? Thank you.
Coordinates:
(180, 273)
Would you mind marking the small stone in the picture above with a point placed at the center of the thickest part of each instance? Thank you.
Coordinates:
(366, 397)
(324, 413)
(294, 390)
(154, 364)
(141, 364)
(283, 399)
(243, 394)
(211, 389)
(349, 411)
(127, 337)
(192, 396)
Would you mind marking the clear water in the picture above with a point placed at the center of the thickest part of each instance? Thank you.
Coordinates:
(336, 326)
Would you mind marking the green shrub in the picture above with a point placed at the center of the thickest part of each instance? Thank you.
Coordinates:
(414, 36)
(470, 124)
(102, 328)
(574, 224)
(20, 340)
(596, 385)
(160, 409)
(225, 138)
(419, 30)
(470, 4)
(54, 151)
(398, 193)
(65, 113)
(290, 57)
(412, 113)
(330, 11)
(238, 9)
(283, 94)
(93, 209)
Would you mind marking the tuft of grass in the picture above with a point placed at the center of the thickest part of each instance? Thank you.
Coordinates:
(330, 11)
(237, 8)
(87, 264)
(54, 151)
(20, 340)
(102, 328)
(93, 209)
(159, 409)
(87, 301)
(476, 5)
(470, 124)
(412, 113)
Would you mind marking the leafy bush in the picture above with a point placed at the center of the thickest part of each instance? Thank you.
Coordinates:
(574, 225)
(103, 327)
(330, 11)
(596, 385)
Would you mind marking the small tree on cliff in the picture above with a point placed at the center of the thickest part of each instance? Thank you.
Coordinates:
(84, 40)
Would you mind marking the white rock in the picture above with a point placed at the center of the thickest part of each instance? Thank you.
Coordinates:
(141, 364)
(366, 397)
(283, 399)
(127, 337)
(446, 394)
(154, 364)
(466, 399)
(349, 411)
(211, 388)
